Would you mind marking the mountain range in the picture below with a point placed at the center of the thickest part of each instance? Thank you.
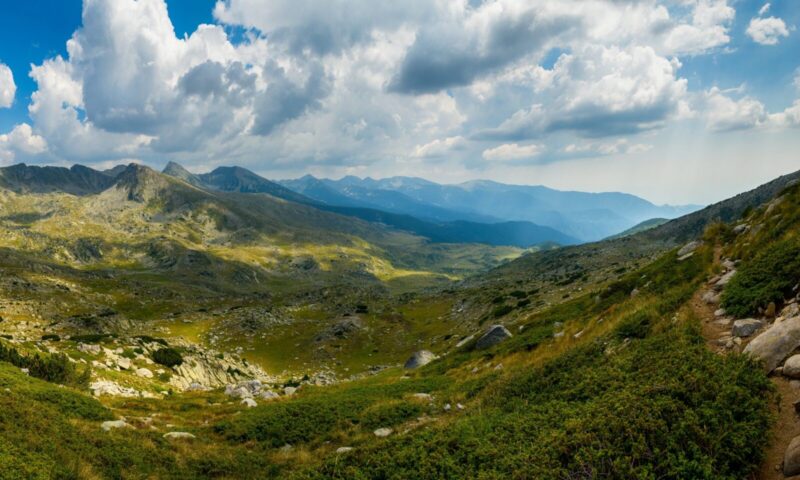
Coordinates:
(583, 216)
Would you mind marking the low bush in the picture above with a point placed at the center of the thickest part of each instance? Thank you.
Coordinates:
(169, 357)
(51, 367)
(768, 277)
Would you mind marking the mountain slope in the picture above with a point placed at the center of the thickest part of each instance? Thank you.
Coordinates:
(78, 180)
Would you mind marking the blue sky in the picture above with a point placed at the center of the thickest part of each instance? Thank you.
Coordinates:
(656, 97)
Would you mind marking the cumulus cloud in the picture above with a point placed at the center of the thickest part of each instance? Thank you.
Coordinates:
(602, 91)
(767, 31)
(440, 147)
(351, 83)
(723, 113)
(21, 141)
(512, 152)
(7, 86)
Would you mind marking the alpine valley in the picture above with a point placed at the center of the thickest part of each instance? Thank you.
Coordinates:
(221, 325)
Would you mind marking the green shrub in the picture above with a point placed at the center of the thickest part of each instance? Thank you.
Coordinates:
(169, 357)
(502, 310)
(91, 337)
(51, 367)
(51, 336)
(769, 277)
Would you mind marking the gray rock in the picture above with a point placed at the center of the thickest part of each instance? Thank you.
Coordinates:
(420, 358)
(249, 402)
(268, 395)
(711, 298)
(774, 344)
(344, 449)
(689, 248)
(289, 391)
(728, 264)
(724, 280)
(178, 436)
(791, 368)
(423, 396)
(493, 336)
(720, 312)
(746, 327)
(112, 424)
(144, 372)
(791, 459)
(741, 228)
(383, 432)
(124, 363)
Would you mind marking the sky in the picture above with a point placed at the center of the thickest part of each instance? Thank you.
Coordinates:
(678, 101)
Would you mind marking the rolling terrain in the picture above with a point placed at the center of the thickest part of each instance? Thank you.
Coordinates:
(161, 328)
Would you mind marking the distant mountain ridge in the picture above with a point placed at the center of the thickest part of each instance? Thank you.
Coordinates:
(587, 216)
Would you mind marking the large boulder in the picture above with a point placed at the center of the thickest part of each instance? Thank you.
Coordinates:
(746, 327)
(493, 336)
(791, 368)
(791, 459)
(774, 344)
(420, 358)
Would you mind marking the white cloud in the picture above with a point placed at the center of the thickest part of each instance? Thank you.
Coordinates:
(8, 88)
(621, 146)
(439, 147)
(511, 152)
(767, 31)
(723, 113)
(764, 9)
(707, 29)
(788, 118)
(21, 140)
(602, 90)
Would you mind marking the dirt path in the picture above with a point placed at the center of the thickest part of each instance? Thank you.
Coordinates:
(787, 424)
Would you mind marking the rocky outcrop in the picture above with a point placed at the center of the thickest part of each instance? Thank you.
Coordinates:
(206, 368)
(419, 359)
(776, 343)
(493, 336)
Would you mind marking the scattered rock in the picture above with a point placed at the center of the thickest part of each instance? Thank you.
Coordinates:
(791, 368)
(249, 402)
(423, 396)
(493, 336)
(344, 449)
(89, 348)
(773, 345)
(447, 407)
(420, 358)
(791, 459)
(383, 432)
(711, 298)
(124, 363)
(689, 248)
(268, 395)
(107, 387)
(289, 391)
(746, 327)
(720, 312)
(179, 435)
(112, 424)
(741, 228)
(341, 329)
(728, 264)
(144, 373)
(464, 341)
(724, 280)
